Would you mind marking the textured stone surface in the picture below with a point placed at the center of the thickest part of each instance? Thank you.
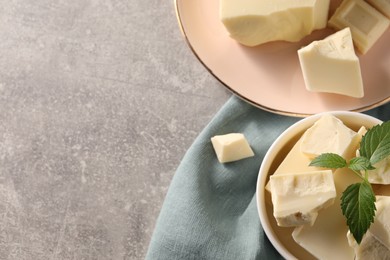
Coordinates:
(99, 101)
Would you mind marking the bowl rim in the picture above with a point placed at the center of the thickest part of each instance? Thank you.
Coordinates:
(280, 142)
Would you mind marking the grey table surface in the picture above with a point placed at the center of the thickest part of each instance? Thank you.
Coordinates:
(99, 101)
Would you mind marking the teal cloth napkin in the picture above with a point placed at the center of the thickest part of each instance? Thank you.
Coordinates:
(210, 209)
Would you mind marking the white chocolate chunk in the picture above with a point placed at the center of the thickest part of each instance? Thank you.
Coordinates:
(297, 197)
(327, 239)
(376, 242)
(331, 65)
(329, 135)
(366, 23)
(381, 173)
(231, 147)
(381, 226)
(369, 248)
(253, 22)
(382, 6)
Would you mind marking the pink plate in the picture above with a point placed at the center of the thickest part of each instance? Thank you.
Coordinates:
(269, 76)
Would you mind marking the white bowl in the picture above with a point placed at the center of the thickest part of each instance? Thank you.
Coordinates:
(280, 237)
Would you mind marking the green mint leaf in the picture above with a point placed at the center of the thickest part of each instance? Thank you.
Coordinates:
(358, 206)
(360, 164)
(375, 144)
(329, 160)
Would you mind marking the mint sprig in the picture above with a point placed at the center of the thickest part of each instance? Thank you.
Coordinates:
(358, 206)
(358, 200)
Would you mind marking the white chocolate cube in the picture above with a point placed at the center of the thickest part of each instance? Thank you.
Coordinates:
(329, 135)
(231, 147)
(370, 247)
(327, 238)
(297, 197)
(381, 173)
(253, 22)
(331, 65)
(376, 242)
(381, 226)
(366, 23)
